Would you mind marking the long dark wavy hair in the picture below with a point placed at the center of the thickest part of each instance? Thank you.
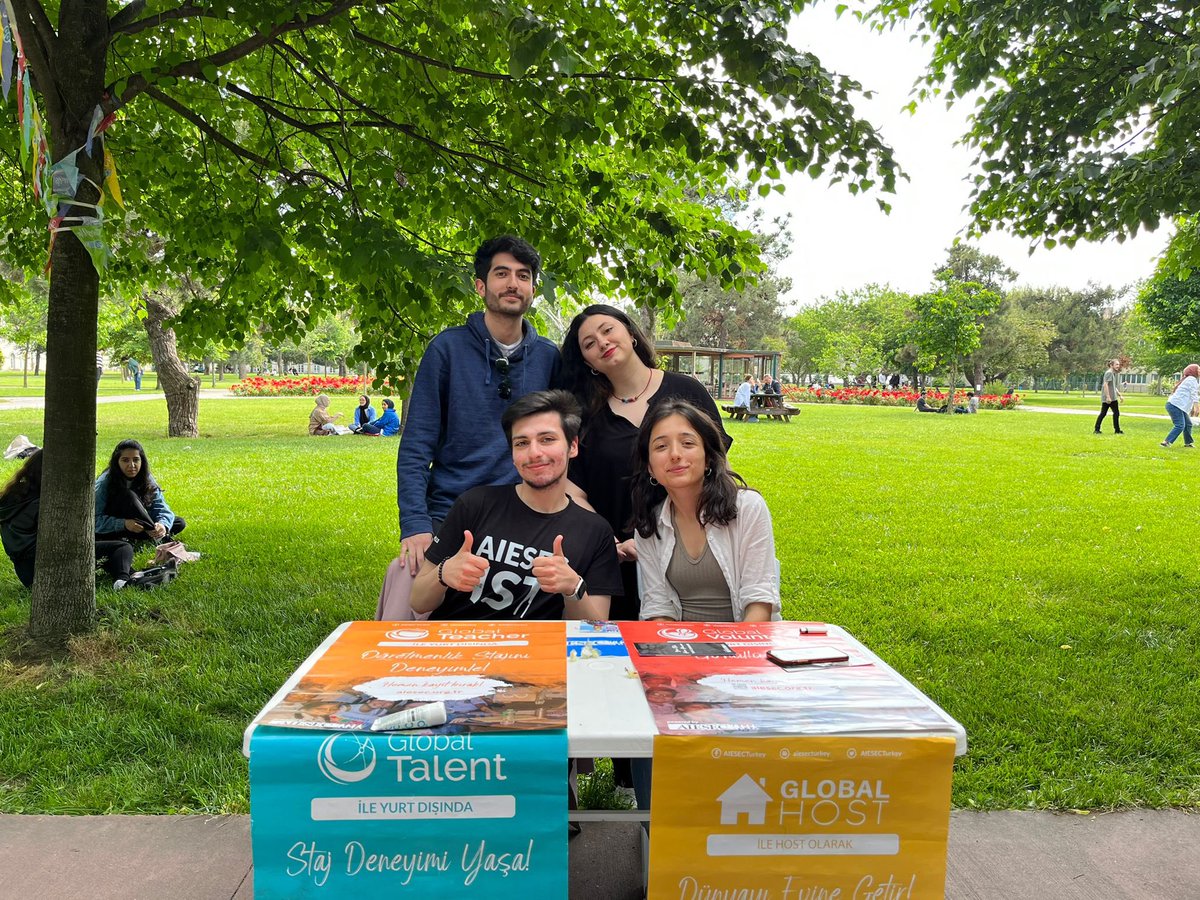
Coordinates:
(591, 389)
(143, 485)
(26, 482)
(718, 495)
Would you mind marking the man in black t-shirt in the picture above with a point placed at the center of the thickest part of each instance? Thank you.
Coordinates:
(525, 551)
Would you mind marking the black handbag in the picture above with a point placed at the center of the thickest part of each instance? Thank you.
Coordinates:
(155, 576)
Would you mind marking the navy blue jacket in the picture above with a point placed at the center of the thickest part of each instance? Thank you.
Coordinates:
(452, 437)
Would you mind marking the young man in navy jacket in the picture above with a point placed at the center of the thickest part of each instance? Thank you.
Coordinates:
(468, 376)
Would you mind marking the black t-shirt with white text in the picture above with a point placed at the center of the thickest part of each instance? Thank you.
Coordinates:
(510, 536)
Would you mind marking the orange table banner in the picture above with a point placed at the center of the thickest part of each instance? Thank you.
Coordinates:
(800, 818)
(491, 676)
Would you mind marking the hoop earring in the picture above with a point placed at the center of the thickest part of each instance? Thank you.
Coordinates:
(708, 472)
(654, 481)
(635, 342)
(593, 371)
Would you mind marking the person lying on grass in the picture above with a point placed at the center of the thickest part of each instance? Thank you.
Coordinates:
(129, 503)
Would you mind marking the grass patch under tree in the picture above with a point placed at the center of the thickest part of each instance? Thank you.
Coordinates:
(1025, 574)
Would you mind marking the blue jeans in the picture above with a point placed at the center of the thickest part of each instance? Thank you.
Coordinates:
(137, 380)
(1182, 422)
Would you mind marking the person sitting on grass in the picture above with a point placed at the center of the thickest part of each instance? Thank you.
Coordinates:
(387, 425)
(923, 405)
(320, 420)
(20, 502)
(129, 503)
(364, 414)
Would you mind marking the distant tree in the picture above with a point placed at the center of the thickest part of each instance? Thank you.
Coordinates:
(1171, 306)
(1145, 349)
(1087, 327)
(1014, 342)
(865, 329)
(947, 325)
(740, 318)
(968, 263)
(23, 321)
(330, 341)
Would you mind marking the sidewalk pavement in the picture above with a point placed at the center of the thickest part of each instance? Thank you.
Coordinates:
(1131, 855)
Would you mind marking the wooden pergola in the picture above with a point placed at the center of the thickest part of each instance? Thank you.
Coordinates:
(719, 369)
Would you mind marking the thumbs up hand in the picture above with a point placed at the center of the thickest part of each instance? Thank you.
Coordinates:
(554, 573)
(464, 570)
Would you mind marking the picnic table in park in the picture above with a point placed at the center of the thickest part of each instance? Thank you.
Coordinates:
(766, 405)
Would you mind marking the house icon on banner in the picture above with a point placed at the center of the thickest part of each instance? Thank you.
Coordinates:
(744, 797)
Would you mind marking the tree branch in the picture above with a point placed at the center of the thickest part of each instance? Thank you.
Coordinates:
(194, 68)
(43, 29)
(496, 76)
(187, 11)
(232, 146)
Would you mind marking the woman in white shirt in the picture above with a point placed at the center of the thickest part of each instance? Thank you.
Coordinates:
(706, 551)
(1180, 406)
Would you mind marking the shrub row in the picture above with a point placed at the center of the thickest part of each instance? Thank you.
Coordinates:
(881, 397)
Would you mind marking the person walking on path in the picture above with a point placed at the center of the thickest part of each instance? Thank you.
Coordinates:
(1181, 404)
(468, 376)
(1110, 397)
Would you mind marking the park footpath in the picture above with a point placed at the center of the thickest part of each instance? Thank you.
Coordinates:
(1129, 855)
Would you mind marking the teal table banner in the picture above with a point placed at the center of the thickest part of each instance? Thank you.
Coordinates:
(348, 814)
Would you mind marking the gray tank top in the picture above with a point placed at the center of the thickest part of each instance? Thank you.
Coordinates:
(702, 589)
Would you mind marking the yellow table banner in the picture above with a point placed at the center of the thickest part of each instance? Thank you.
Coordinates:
(800, 818)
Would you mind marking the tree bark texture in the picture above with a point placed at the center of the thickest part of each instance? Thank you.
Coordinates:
(181, 389)
(70, 82)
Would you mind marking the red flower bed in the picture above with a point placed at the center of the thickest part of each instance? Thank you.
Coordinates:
(301, 386)
(881, 397)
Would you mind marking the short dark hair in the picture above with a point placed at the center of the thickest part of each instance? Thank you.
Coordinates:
(506, 243)
(539, 402)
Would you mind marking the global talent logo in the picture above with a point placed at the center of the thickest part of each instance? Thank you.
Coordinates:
(346, 758)
(678, 634)
(407, 634)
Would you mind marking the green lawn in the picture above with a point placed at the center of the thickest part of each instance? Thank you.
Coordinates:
(1139, 403)
(1034, 580)
(12, 384)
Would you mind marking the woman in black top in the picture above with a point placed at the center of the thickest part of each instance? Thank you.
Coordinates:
(20, 502)
(610, 365)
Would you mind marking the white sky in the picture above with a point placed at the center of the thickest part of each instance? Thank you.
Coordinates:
(841, 242)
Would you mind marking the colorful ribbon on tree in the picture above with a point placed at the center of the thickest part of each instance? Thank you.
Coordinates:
(57, 185)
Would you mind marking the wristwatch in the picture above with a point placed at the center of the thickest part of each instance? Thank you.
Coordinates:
(577, 594)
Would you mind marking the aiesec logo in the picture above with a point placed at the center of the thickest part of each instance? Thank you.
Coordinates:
(678, 634)
(346, 758)
(407, 634)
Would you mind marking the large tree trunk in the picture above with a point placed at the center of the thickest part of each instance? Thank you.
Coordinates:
(181, 390)
(64, 587)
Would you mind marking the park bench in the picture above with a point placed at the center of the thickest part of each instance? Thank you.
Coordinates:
(772, 412)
